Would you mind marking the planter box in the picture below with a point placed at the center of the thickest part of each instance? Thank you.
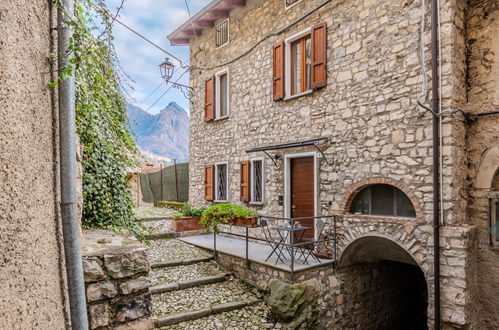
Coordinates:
(186, 224)
(245, 221)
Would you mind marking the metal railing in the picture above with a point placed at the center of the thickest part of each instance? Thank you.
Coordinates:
(290, 245)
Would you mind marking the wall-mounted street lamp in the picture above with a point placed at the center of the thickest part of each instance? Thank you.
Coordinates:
(167, 68)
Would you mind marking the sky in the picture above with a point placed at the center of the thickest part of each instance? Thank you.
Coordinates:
(154, 19)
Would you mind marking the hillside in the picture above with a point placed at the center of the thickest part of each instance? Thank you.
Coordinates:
(161, 137)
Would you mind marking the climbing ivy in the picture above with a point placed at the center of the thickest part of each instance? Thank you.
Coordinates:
(101, 120)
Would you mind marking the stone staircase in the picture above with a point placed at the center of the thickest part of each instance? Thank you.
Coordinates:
(191, 291)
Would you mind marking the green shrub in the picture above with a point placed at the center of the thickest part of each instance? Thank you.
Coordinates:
(189, 211)
(224, 213)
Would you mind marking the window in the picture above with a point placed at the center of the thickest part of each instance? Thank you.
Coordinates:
(222, 33)
(494, 220)
(300, 65)
(382, 199)
(289, 3)
(257, 181)
(221, 182)
(222, 94)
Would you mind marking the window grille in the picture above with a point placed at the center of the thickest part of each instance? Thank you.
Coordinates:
(222, 33)
(221, 182)
(257, 193)
(494, 220)
(291, 2)
(382, 199)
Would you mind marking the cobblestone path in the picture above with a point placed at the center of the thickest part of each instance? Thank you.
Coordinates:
(191, 291)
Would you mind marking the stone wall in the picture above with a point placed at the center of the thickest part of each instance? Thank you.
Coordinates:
(116, 281)
(32, 275)
(483, 141)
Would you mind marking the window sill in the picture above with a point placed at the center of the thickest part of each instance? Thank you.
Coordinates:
(310, 91)
(217, 201)
(256, 203)
(379, 217)
(221, 118)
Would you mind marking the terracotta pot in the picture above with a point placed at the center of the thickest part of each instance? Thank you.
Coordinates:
(186, 223)
(245, 221)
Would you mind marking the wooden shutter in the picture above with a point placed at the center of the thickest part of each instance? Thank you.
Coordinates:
(209, 99)
(278, 71)
(209, 182)
(245, 180)
(319, 56)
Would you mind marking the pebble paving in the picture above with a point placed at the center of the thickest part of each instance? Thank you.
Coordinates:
(196, 298)
(173, 250)
(146, 211)
(161, 276)
(251, 317)
(160, 226)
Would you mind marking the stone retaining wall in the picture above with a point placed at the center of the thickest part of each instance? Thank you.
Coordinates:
(117, 281)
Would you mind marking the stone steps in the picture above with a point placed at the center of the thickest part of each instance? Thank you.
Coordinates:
(185, 271)
(180, 262)
(156, 218)
(162, 288)
(170, 251)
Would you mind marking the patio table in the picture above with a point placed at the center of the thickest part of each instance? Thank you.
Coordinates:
(288, 230)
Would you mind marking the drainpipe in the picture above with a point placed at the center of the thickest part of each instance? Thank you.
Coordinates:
(67, 145)
(436, 160)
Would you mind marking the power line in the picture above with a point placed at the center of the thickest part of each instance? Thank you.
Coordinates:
(152, 43)
(190, 19)
(150, 94)
(165, 92)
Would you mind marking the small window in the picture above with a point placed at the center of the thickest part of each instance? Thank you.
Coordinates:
(383, 199)
(494, 220)
(221, 182)
(257, 181)
(222, 33)
(289, 3)
(222, 94)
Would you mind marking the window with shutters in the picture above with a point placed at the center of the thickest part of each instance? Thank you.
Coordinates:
(494, 220)
(257, 181)
(221, 182)
(222, 33)
(300, 65)
(383, 199)
(222, 94)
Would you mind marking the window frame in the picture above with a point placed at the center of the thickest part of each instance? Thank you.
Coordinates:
(370, 203)
(228, 32)
(253, 181)
(494, 221)
(218, 97)
(217, 200)
(286, 6)
(288, 64)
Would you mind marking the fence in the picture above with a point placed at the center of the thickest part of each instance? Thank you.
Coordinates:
(169, 184)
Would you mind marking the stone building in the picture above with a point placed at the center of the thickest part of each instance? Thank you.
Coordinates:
(316, 113)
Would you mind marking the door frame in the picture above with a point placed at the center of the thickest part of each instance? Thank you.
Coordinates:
(287, 182)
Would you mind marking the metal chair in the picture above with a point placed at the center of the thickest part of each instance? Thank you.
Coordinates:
(275, 244)
(306, 251)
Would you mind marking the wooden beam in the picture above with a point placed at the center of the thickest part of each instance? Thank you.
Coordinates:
(201, 24)
(180, 42)
(216, 14)
(235, 3)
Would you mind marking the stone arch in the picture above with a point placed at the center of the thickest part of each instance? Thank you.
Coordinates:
(357, 187)
(488, 169)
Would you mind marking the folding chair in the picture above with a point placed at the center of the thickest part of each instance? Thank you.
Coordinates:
(275, 244)
(306, 251)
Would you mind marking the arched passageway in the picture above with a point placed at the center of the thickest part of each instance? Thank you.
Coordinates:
(384, 288)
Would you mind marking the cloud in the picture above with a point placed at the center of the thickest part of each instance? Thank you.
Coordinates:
(154, 19)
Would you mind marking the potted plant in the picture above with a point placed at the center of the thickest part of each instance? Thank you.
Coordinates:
(189, 219)
(228, 214)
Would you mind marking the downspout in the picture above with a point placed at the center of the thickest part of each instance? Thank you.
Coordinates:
(67, 145)
(436, 158)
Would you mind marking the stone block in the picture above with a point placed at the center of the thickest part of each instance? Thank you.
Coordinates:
(127, 264)
(135, 285)
(134, 308)
(100, 290)
(144, 324)
(92, 269)
(99, 315)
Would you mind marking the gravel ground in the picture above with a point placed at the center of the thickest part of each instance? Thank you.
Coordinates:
(173, 250)
(196, 298)
(183, 273)
(161, 226)
(251, 317)
(149, 211)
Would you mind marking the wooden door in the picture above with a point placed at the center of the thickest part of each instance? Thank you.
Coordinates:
(303, 192)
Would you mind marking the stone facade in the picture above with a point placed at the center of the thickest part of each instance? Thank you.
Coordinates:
(32, 273)
(116, 270)
(377, 131)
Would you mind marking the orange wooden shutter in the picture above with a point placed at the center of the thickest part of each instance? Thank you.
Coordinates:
(245, 181)
(209, 99)
(278, 71)
(319, 56)
(209, 179)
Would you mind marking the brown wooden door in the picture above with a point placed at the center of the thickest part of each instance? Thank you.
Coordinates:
(302, 191)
